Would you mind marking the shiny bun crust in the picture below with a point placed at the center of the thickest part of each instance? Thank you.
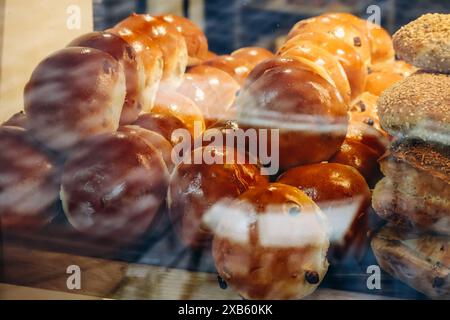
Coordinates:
(343, 195)
(149, 58)
(425, 42)
(307, 109)
(277, 249)
(167, 37)
(126, 56)
(197, 44)
(253, 55)
(115, 194)
(418, 107)
(73, 94)
(28, 182)
(238, 68)
(195, 188)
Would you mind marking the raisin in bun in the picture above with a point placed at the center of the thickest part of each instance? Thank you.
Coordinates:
(272, 243)
(116, 193)
(149, 58)
(346, 54)
(253, 55)
(73, 94)
(195, 188)
(28, 182)
(425, 43)
(126, 56)
(213, 90)
(308, 111)
(196, 42)
(167, 37)
(163, 123)
(344, 196)
(238, 68)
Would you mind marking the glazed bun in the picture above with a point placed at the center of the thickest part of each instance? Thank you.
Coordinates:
(425, 43)
(418, 107)
(28, 182)
(346, 54)
(18, 119)
(172, 103)
(360, 156)
(115, 194)
(272, 243)
(197, 44)
(381, 46)
(367, 135)
(343, 29)
(309, 111)
(213, 90)
(167, 37)
(161, 144)
(73, 94)
(149, 58)
(252, 55)
(365, 109)
(195, 188)
(378, 81)
(399, 67)
(126, 56)
(238, 68)
(344, 196)
(325, 64)
(162, 123)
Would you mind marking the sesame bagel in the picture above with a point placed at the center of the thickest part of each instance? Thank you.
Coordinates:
(425, 42)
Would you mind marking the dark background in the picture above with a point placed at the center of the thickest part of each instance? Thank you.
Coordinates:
(230, 24)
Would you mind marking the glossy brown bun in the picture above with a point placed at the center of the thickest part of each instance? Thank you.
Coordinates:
(164, 124)
(368, 135)
(126, 56)
(355, 154)
(172, 103)
(323, 62)
(116, 193)
(236, 67)
(378, 81)
(365, 109)
(213, 90)
(252, 55)
(150, 62)
(420, 260)
(414, 193)
(28, 182)
(272, 244)
(349, 58)
(418, 107)
(195, 188)
(18, 119)
(161, 144)
(343, 30)
(425, 43)
(167, 37)
(73, 94)
(197, 44)
(344, 196)
(308, 110)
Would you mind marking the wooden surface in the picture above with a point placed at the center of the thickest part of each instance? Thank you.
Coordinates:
(31, 269)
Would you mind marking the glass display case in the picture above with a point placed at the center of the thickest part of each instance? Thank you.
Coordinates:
(276, 149)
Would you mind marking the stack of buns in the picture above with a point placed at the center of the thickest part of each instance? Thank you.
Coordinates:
(414, 194)
(98, 134)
